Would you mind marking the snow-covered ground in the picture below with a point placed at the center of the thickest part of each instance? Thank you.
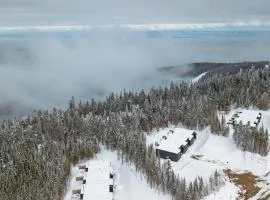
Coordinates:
(227, 192)
(213, 153)
(187, 167)
(218, 152)
(197, 78)
(129, 185)
(250, 115)
(258, 165)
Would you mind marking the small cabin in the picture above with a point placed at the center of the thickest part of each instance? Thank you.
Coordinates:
(79, 178)
(189, 142)
(194, 135)
(236, 115)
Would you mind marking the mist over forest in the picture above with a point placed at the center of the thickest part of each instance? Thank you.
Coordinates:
(45, 69)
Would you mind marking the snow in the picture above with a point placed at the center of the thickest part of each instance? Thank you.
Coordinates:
(128, 183)
(228, 192)
(215, 152)
(250, 115)
(208, 153)
(174, 140)
(97, 181)
(197, 78)
(188, 167)
(245, 116)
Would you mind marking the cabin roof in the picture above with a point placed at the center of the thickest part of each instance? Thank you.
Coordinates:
(175, 140)
(249, 116)
(97, 181)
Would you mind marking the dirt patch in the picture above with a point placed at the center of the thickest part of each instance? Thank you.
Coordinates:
(246, 181)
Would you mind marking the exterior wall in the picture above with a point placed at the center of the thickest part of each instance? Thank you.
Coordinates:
(168, 155)
(192, 141)
(184, 148)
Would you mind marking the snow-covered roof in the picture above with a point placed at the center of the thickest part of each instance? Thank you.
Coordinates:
(97, 181)
(175, 140)
(247, 116)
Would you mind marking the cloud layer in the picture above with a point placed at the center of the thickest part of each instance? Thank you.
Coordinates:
(123, 11)
(46, 69)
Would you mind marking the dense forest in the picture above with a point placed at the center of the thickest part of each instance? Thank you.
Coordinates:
(252, 140)
(36, 152)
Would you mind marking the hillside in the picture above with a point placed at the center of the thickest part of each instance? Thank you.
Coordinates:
(208, 154)
(41, 149)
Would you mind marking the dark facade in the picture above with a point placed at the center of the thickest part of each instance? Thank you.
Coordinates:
(81, 196)
(184, 148)
(110, 188)
(190, 141)
(194, 134)
(111, 175)
(168, 155)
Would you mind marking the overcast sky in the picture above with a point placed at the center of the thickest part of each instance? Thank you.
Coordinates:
(136, 11)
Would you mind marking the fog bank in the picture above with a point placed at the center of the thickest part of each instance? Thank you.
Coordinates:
(44, 70)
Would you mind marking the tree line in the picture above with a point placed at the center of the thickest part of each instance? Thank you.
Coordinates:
(250, 139)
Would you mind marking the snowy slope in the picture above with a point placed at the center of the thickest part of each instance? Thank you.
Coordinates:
(197, 78)
(255, 163)
(211, 148)
(218, 152)
(214, 152)
(186, 166)
(228, 191)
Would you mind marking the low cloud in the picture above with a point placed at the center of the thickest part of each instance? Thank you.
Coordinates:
(46, 70)
(43, 70)
(140, 11)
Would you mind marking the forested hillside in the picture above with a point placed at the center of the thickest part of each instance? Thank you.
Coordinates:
(37, 151)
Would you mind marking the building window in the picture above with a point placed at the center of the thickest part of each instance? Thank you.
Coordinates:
(111, 188)
(111, 175)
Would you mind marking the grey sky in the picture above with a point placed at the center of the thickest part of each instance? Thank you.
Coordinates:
(139, 11)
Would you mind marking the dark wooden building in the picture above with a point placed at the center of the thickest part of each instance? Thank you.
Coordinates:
(173, 145)
(174, 156)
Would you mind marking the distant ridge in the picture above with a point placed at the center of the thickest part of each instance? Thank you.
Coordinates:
(195, 69)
